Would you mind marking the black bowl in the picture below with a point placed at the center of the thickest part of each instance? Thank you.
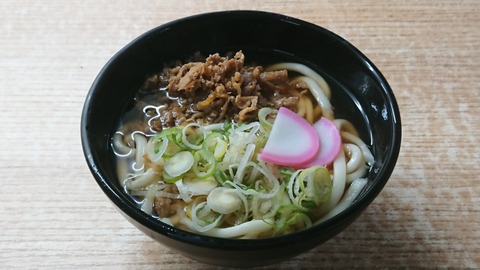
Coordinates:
(360, 94)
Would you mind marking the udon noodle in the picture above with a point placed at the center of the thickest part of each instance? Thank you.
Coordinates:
(207, 177)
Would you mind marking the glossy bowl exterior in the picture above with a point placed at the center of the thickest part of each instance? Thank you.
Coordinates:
(266, 34)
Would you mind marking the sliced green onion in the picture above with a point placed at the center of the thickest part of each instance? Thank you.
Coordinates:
(204, 164)
(216, 144)
(191, 138)
(170, 179)
(298, 219)
(220, 149)
(286, 172)
(260, 144)
(211, 127)
(263, 114)
(310, 188)
(199, 212)
(227, 127)
(211, 140)
(179, 164)
(171, 149)
(318, 184)
(224, 200)
(282, 215)
(173, 136)
(194, 186)
(243, 162)
(155, 148)
(220, 177)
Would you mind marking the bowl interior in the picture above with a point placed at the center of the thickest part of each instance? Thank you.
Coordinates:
(359, 94)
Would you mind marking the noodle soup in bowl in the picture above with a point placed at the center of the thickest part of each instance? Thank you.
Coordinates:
(240, 138)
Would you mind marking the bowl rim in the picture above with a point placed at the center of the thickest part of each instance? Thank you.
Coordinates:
(242, 244)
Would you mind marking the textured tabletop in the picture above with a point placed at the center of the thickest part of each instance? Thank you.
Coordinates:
(54, 215)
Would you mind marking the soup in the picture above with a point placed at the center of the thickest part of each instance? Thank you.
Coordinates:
(221, 148)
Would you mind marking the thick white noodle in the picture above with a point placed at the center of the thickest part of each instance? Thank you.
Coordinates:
(361, 172)
(142, 180)
(123, 169)
(140, 143)
(319, 96)
(249, 229)
(352, 193)
(356, 158)
(348, 137)
(302, 110)
(339, 180)
(345, 125)
(147, 204)
(119, 147)
(300, 68)
(309, 110)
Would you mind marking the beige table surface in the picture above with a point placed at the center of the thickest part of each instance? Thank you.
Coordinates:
(53, 214)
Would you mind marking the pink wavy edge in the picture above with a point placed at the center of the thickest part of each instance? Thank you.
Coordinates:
(294, 160)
